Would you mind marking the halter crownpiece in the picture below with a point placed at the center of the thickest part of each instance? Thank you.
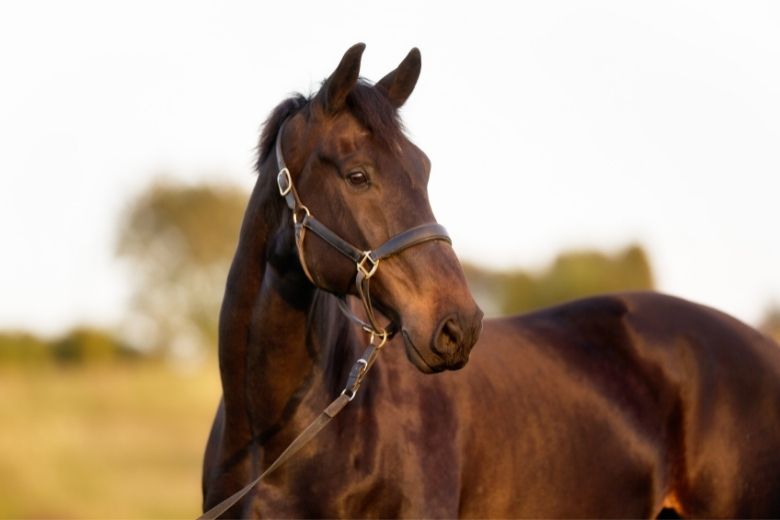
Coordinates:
(366, 262)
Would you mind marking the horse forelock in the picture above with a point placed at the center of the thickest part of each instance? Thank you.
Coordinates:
(368, 105)
(375, 113)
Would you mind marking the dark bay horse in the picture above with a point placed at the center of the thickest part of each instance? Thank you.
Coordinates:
(624, 405)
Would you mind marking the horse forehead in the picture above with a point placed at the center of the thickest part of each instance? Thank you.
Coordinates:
(344, 136)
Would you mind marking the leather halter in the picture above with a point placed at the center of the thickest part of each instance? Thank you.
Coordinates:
(366, 262)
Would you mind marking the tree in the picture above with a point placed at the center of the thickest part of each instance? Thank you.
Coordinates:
(572, 275)
(179, 241)
(89, 345)
(23, 349)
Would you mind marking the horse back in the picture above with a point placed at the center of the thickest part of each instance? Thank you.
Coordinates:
(654, 399)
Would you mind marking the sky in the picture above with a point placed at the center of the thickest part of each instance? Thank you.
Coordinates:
(551, 126)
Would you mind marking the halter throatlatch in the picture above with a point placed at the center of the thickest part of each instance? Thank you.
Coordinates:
(366, 262)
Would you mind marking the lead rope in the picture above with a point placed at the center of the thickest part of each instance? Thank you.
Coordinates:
(359, 369)
(356, 376)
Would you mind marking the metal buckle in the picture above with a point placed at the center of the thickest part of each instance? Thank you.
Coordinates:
(355, 378)
(284, 175)
(363, 362)
(361, 265)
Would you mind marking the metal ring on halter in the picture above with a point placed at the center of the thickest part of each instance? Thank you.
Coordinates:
(284, 174)
(382, 334)
(297, 210)
(366, 262)
(361, 265)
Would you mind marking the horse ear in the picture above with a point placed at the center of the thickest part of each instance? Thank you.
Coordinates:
(399, 84)
(334, 90)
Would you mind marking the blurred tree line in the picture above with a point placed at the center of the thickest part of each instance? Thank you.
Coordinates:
(178, 241)
(572, 275)
(82, 345)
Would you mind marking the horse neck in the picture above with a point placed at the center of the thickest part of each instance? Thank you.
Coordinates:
(280, 338)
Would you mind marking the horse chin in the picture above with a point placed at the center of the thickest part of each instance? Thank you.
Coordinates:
(426, 360)
(414, 355)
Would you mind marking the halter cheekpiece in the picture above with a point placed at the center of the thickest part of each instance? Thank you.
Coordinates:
(366, 265)
(366, 262)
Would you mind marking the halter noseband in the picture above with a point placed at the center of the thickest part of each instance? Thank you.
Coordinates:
(366, 262)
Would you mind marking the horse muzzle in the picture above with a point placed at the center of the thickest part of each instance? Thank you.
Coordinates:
(450, 345)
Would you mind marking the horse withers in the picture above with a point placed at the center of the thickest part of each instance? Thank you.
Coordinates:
(625, 405)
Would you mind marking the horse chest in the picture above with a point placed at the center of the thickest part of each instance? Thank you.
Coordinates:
(354, 473)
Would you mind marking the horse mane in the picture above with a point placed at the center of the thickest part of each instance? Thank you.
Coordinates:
(369, 106)
(271, 126)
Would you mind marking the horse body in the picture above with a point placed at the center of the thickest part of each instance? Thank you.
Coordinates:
(615, 406)
(608, 407)
(625, 404)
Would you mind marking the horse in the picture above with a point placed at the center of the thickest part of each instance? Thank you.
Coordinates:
(621, 405)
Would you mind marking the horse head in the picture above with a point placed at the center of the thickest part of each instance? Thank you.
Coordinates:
(346, 155)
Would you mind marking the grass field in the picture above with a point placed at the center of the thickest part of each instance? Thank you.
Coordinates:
(104, 442)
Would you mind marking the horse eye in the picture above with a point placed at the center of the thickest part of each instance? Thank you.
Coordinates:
(357, 178)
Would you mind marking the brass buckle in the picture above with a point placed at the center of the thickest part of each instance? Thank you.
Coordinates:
(284, 181)
(361, 265)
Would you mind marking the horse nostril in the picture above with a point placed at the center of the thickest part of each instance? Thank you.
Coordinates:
(449, 338)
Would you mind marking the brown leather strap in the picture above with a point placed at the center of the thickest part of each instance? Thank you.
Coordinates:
(366, 262)
(341, 245)
(356, 376)
(309, 433)
(410, 238)
(394, 245)
(362, 284)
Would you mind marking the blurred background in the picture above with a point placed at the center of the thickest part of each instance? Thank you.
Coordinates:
(577, 147)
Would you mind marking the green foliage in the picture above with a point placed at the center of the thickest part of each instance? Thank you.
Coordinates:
(180, 240)
(24, 349)
(89, 345)
(182, 226)
(572, 275)
(80, 346)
